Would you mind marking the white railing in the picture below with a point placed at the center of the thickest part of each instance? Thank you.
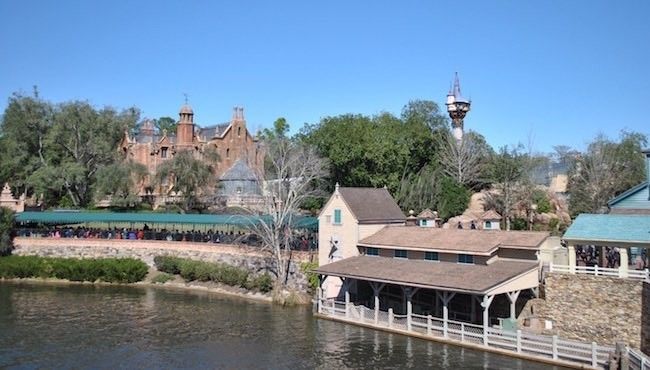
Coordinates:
(544, 346)
(601, 271)
(637, 360)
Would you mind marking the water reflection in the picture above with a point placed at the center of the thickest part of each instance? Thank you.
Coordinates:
(107, 327)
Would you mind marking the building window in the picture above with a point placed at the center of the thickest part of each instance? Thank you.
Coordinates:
(488, 224)
(163, 153)
(401, 253)
(431, 256)
(238, 131)
(372, 251)
(337, 216)
(466, 258)
(423, 222)
(228, 153)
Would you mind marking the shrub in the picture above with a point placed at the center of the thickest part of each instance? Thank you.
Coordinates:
(263, 283)
(168, 264)
(312, 278)
(162, 278)
(111, 270)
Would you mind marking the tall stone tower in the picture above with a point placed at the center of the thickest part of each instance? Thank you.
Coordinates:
(457, 107)
(185, 127)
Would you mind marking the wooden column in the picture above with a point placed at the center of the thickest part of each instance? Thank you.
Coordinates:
(445, 297)
(571, 250)
(487, 301)
(512, 297)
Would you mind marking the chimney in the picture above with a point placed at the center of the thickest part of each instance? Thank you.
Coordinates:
(411, 220)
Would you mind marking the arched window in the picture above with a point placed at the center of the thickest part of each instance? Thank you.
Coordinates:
(238, 131)
(228, 153)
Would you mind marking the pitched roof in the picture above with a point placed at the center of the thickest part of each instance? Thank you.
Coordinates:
(427, 213)
(213, 131)
(371, 204)
(473, 241)
(610, 228)
(427, 274)
(491, 215)
(627, 193)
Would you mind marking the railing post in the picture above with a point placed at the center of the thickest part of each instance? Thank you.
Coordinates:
(409, 312)
(347, 304)
(444, 327)
(596, 270)
(462, 332)
(428, 324)
(594, 355)
(550, 267)
(554, 342)
(361, 313)
(390, 317)
(518, 341)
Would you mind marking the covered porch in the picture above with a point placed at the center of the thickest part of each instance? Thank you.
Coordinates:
(608, 245)
(473, 305)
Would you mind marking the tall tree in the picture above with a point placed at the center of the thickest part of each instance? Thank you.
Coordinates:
(167, 124)
(188, 177)
(464, 161)
(293, 173)
(120, 182)
(606, 169)
(506, 170)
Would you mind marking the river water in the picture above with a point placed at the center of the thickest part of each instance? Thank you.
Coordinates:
(132, 327)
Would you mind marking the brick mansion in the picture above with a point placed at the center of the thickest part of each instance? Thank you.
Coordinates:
(240, 156)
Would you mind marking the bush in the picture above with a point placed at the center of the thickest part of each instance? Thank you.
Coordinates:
(111, 270)
(191, 270)
(162, 278)
(312, 277)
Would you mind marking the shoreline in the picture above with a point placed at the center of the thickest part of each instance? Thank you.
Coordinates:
(201, 287)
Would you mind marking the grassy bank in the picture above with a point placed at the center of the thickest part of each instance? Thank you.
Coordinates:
(192, 270)
(110, 270)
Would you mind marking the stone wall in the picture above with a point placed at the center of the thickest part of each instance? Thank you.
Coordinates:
(250, 258)
(593, 308)
(645, 321)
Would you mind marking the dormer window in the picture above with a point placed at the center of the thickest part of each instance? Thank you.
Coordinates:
(488, 224)
(163, 152)
(337, 217)
(466, 258)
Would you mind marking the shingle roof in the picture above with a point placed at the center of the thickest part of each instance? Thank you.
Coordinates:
(239, 171)
(428, 274)
(213, 131)
(491, 215)
(427, 213)
(610, 227)
(372, 205)
(474, 241)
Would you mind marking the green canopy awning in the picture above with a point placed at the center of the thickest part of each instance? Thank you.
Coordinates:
(62, 218)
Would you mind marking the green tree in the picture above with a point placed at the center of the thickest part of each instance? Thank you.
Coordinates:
(165, 123)
(453, 198)
(121, 181)
(188, 177)
(6, 231)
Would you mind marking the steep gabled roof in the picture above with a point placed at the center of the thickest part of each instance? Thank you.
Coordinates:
(491, 215)
(210, 132)
(642, 186)
(372, 205)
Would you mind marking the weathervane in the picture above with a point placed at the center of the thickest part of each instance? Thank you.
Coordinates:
(185, 95)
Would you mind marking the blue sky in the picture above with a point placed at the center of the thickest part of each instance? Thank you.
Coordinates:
(557, 72)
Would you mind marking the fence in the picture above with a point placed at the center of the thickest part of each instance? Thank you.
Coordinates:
(549, 347)
(601, 271)
(637, 360)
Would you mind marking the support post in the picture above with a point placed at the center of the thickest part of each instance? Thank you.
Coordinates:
(487, 301)
(594, 355)
(554, 345)
(622, 269)
(376, 309)
(428, 324)
(446, 297)
(473, 309)
(347, 303)
(390, 317)
(376, 288)
(512, 297)
(518, 341)
(571, 250)
(408, 294)
(319, 300)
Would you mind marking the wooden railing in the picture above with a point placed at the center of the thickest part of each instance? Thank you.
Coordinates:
(601, 271)
(517, 342)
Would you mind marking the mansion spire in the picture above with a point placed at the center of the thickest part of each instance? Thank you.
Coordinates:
(457, 107)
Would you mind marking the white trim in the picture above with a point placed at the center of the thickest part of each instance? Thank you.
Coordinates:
(422, 249)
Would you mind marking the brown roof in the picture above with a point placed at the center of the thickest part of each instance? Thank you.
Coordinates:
(476, 241)
(372, 205)
(491, 215)
(428, 274)
(427, 213)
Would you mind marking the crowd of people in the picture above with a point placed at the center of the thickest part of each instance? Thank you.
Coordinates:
(590, 255)
(305, 241)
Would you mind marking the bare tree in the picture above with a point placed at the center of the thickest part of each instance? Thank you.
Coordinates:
(293, 171)
(462, 160)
